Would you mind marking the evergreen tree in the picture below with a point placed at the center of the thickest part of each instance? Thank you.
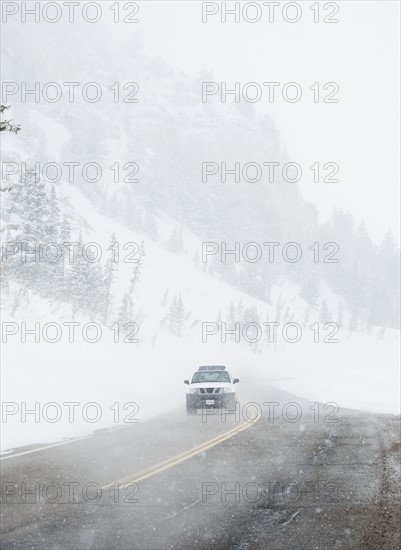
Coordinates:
(354, 321)
(4, 278)
(56, 261)
(279, 307)
(324, 315)
(81, 282)
(36, 215)
(60, 274)
(340, 315)
(108, 279)
(14, 207)
(132, 213)
(176, 315)
(310, 292)
(231, 317)
(6, 125)
(33, 271)
(53, 216)
(150, 226)
(127, 305)
(126, 313)
(239, 312)
(175, 242)
(164, 299)
(287, 315)
(137, 270)
(251, 315)
(96, 299)
(307, 314)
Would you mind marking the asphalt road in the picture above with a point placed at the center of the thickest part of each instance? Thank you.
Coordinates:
(325, 479)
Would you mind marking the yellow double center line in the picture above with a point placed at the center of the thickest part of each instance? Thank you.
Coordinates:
(170, 462)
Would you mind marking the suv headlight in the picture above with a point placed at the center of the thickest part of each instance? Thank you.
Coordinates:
(226, 390)
(192, 390)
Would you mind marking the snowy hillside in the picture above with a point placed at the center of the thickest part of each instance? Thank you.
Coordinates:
(150, 372)
(152, 207)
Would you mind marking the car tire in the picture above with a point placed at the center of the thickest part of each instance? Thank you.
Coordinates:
(191, 410)
(230, 403)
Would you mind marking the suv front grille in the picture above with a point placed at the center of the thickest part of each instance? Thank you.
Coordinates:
(209, 390)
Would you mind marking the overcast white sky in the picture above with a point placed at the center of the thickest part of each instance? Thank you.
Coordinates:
(360, 53)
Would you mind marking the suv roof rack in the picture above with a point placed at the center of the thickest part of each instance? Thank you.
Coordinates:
(212, 367)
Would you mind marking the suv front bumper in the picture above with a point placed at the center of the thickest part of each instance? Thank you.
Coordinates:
(198, 401)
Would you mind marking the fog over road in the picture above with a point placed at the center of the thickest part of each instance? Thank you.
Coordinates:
(195, 482)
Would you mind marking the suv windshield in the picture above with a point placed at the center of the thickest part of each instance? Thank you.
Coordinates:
(210, 376)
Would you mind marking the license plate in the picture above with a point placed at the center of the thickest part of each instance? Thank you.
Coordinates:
(209, 401)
